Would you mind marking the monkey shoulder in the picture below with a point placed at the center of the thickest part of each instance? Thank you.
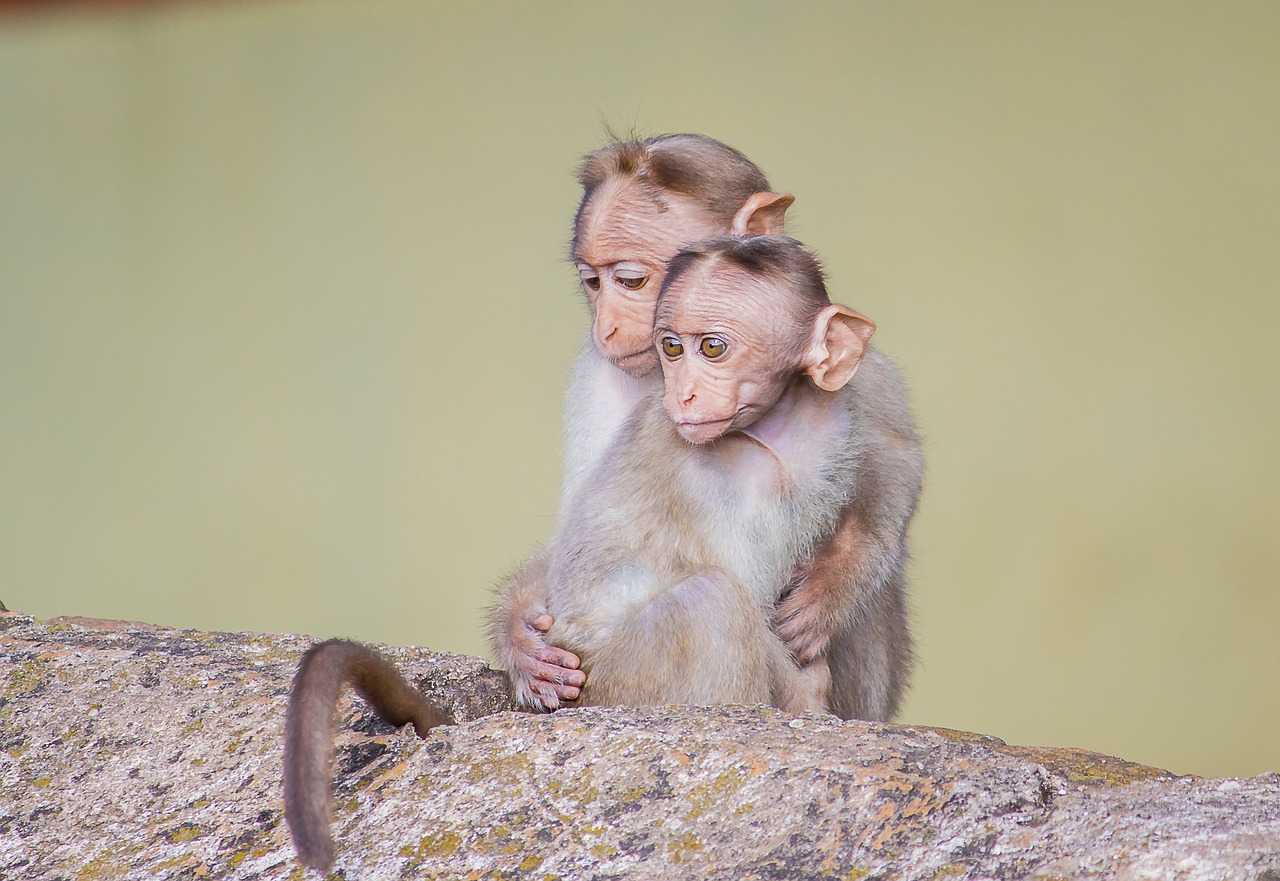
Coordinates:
(878, 395)
(885, 446)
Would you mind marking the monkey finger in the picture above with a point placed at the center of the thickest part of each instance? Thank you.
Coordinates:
(556, 657)
(804, 632)
(561, 692)
(542, 622)
(546, 697)
(550, 694)
(553, 675)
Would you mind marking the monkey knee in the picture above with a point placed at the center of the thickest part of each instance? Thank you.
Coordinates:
(714, 598)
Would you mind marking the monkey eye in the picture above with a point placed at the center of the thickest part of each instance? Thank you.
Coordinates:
(630, 283)
(589, 276)
(672, 347)
(713, 346)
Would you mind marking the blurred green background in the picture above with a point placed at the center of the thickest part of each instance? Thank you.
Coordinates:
(285, 318)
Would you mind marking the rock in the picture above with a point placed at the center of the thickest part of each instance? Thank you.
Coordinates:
(132, 751)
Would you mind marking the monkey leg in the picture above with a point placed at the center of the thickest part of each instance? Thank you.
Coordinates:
(702, 641)
(871, 657)
(806, 690)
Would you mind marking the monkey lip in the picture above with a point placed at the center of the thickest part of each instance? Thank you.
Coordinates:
(630, 361)
(701, 431)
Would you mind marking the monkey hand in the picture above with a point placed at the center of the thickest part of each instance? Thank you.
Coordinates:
(542, 675)
(810, 612)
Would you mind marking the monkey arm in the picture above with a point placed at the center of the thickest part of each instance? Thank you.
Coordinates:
(541, 675)
(825, 592)
(868, 552)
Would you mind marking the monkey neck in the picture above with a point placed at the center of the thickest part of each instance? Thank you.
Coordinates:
(804, 416)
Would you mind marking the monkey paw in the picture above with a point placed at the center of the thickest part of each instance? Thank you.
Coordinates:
(803, 623)
(542, 675)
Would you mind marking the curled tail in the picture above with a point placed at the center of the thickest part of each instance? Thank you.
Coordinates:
(309, 731)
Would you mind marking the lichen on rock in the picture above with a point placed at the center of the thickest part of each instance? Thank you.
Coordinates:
(132, 751)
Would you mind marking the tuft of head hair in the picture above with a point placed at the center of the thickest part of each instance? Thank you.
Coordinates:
(780, 258)
(711, 174)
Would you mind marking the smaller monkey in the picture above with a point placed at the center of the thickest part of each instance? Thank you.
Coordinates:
(664, 576)
(309, 732)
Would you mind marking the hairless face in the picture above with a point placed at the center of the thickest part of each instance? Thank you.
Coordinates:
(626, 236)
(738, 321)
(725, 337)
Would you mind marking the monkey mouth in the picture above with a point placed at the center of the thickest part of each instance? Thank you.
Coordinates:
(632, 361)
(701, 431)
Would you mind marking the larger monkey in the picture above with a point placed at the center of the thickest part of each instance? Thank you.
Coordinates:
(711, 494)
(642, 200)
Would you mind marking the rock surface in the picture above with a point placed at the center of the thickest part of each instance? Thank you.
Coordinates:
(130, 751)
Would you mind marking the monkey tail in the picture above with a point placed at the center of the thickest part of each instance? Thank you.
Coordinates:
(310, 726)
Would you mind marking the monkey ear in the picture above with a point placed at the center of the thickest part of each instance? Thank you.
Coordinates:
(763, 214)
(836, 347)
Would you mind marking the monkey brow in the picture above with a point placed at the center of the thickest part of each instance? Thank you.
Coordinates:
(619, 249)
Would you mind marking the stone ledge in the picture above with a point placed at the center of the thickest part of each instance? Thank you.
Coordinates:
(133, 751)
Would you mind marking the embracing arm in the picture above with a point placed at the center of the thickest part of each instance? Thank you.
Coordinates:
(869, 547)
(827, 591)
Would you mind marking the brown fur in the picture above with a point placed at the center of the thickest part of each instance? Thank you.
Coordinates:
(309, 730)
(712, 175)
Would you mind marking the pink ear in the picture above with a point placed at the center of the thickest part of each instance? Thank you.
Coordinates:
(839, 341)
(763, 214)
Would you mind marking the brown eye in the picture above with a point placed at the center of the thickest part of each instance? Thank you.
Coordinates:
(713, 347)
(631, 284)
(592, 282)
(671, 347)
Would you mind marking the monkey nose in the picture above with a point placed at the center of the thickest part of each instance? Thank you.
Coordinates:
(606, 332)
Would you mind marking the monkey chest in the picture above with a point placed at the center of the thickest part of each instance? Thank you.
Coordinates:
(755, 517)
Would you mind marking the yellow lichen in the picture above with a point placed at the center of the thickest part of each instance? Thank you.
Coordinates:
(28, 678)
(500, 768)
(713, 792)
(185, 832)
(682, 848)
(439, 844)
(580, 791)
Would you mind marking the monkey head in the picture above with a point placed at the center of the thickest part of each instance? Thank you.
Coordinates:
(644, 200)
(738, 322)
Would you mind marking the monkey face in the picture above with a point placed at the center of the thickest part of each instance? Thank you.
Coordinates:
(625, 237)
(725, 344)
